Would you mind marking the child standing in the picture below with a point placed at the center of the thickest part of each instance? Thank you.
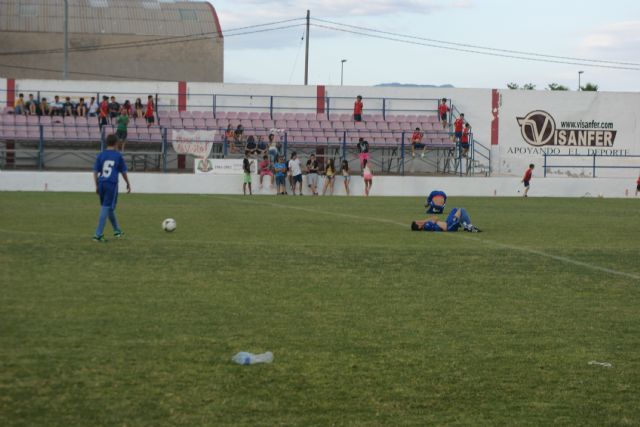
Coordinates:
(464, 140)
(357, 109)
(265, 169)
(443, 109)
(281, 170)
(526, 178)
(368, 177)
(108, 165)
(296, 172)
(246, 168)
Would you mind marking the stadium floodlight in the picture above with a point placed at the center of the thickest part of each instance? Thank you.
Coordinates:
(342, 71)
(579, 74)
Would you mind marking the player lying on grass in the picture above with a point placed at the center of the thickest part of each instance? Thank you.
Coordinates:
(457, 218)
(436, 201)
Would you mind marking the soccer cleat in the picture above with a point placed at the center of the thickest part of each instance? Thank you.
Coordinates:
(118, 234)
(474, 229)
(99, 239)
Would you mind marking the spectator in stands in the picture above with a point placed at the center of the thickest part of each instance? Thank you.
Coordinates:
(238, 135)
(312, 174)
(57, 107)
(44, 107)
(296, 172)
(67, 106)
(149, 111)
(31, 106)
(19, 107)
(262, 147)
(229, 137)
(464, 139)
(345, 175)
(416, 139)
(114, 109)
(273, 148)
(81, 108)
(103, 112)
(251, 146)
(457, 217)
(443, 110)
(367, 174)
(265, 169)
(357, 109)
(458, 125)
(93, 107)
(122, 122)
(363, 150)
(329, 175)
(138, 109)
(281, 169)
(126, 108)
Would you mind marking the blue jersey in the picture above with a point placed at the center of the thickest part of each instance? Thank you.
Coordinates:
(431, 226)
(109, 164)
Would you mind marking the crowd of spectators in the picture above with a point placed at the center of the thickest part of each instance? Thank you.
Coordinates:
(109, 108)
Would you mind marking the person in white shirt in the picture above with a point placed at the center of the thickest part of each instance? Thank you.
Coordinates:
(93, 107)
(296, 172)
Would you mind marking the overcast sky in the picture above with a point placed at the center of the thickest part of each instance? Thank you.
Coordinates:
(593, 29)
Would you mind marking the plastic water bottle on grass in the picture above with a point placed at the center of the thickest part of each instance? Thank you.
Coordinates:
(244, 358)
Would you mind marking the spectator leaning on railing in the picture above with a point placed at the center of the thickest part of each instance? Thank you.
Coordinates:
(57, 107)
(138, 109)
(93, 107)
(44, 107)
(31, 106)
(19, 107)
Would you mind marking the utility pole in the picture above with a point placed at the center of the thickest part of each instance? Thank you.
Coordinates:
(66, 39)
(306, 53)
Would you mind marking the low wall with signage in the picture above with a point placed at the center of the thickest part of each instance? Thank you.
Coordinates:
(203, 183)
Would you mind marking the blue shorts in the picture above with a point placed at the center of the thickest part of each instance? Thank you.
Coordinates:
(458, 135)
(453, 223)
(108, 192)
(280, 180)
(526, 183)
(297, 178)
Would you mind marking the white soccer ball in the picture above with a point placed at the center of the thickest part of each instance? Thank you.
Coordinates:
(169, 224)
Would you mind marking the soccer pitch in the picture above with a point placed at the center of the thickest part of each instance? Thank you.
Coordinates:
(369, 323)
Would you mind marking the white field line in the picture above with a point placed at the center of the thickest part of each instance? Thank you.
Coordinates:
(460, 235)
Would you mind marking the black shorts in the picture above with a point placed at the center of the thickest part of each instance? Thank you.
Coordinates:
(297, 178)
(103, 121)
(150, 119)
(357, 117)
(443, 117)
(526, 183)
(121, 134)
(638, 187)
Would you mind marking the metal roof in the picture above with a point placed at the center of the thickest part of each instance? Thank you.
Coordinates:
(140, 17)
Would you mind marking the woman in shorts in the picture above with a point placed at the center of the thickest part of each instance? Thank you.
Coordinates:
(344, 171)
(368, 177)
(330, 175)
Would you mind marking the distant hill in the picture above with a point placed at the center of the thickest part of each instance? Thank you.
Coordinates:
(411, 85)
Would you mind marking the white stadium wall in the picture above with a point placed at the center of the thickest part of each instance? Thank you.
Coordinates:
(155, 183)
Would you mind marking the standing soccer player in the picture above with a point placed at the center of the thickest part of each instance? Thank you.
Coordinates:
(526, 178)
(443, 109)
(638, 186)
(109, 164)
(357, 109)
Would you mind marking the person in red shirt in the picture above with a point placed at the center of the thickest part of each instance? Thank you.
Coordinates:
(443, 109)
(464, 140)
(458, 125)
(357, 109)
(638, 185)
(103, 111)
(148, 112)
(416, 139)
(526, 178)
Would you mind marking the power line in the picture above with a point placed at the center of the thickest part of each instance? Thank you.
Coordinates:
(162, 40)
(466, 45)
(413, 42)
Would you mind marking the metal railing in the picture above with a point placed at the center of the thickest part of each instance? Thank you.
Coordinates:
(592, 160)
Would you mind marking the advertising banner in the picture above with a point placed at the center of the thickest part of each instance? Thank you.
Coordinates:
(570, 128)
(195, 142)
(223, 166)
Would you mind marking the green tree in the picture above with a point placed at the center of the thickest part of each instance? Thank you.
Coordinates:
(590, 87)
(529, 86)
(556, 86)
(513, 86)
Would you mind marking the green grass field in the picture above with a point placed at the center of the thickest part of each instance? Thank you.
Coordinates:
(370, 324)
